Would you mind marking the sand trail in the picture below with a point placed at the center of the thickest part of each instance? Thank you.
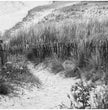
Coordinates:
(53, 91)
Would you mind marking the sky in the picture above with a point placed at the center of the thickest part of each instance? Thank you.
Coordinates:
(12, 12)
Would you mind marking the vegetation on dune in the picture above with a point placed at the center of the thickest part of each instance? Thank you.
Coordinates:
(85, 42)
(82, 45)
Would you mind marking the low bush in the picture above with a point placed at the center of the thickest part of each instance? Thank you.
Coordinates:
(6, 89)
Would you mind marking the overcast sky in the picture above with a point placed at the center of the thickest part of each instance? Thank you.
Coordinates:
(12, 12)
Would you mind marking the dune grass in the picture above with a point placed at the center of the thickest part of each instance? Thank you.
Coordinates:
(84, 42)
(87, 41)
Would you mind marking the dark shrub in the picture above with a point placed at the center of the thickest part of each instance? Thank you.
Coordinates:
(5, 89)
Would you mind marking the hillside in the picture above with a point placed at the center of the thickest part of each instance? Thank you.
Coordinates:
(57, 57)
(81, 10)
(36, 14)
(59, 11)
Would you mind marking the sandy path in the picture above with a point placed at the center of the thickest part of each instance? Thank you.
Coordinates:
(53, 92)
(55, 88)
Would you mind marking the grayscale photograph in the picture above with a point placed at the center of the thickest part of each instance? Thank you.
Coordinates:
(53, 54)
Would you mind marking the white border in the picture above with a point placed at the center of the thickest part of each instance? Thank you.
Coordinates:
(53, 0)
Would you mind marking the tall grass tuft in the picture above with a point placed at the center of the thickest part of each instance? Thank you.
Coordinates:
(84, 41)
